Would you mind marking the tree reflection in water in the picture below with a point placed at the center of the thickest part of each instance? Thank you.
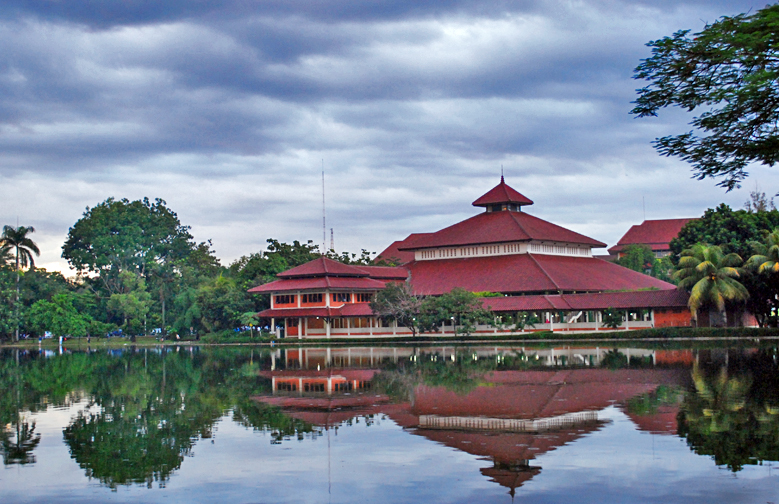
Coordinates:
(19, 449)
(732, 414)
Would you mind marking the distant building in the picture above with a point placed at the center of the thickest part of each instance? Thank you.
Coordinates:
(535, 265)
(656, 234)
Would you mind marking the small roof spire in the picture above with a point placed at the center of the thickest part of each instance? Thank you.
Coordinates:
(502, 193)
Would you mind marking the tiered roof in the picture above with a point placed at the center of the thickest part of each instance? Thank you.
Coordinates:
(527, 273)
(499, 227)
(324, 273)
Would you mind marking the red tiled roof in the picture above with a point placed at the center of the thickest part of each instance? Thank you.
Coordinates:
(674, 298)
(526, 273)
(655, 233)
(347, 310)
(502, 193)
(356, 310)
(298, 312)
(385, 272)
(498, 227)
(393, 252)
(319, 283)
(323, 267)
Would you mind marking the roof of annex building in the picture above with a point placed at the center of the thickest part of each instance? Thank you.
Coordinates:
(657, 234)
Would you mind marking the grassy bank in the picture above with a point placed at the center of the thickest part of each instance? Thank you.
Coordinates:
(230, 338)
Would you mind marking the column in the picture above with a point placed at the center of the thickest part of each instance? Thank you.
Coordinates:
(300, 328)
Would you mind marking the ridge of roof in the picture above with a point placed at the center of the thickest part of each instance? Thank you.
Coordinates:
(323, 266)
(502, 193)
(544, 271)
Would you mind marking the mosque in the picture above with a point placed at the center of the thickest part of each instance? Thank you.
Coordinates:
(536, 266)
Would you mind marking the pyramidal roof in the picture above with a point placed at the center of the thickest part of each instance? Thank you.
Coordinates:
(323, 267)
(502, 193)
(500, 227)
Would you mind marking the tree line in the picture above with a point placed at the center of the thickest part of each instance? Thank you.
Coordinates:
(138, 271)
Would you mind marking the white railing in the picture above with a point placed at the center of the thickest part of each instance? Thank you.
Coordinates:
(507, 424)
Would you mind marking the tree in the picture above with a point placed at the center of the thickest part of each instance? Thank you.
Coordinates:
(463, 309)
(758, 202)
(132, 302)
(765, 263)
(6, 256)
(398, 303)
(60, 317)
(220, 304)
(638, 258)
(16, 238)
(121, 235)
(735, 231)
(710, 275)
(730, 70)
(611, 318)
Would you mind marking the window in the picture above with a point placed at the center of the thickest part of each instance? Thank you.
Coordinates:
(285, 299)
(342, 297)
(362, 297)
(314, 387)
(312, 298)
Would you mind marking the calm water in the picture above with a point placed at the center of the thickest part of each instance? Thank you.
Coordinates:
(443, 424)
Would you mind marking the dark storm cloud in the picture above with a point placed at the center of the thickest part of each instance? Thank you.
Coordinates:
(227, 109)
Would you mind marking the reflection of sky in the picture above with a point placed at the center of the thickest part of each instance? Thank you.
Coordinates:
(383, 463)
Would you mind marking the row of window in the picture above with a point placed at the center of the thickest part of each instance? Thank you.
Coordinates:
(311, 298)
(337, 297)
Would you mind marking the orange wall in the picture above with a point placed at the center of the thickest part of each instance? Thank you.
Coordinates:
(668, 318)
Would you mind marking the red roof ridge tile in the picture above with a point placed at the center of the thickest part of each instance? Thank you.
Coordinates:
(544, 271)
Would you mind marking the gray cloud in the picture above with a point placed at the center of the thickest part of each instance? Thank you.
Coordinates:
(227, 109)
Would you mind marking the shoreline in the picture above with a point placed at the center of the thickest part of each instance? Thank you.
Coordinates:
(611, 337)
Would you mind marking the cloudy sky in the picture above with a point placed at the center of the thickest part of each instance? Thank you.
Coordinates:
(228, 109)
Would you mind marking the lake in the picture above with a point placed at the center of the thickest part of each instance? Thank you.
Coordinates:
(649, 423)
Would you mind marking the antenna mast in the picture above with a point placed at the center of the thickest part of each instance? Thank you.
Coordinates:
(324, 226)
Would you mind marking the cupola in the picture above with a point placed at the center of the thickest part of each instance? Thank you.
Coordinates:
(502, 198)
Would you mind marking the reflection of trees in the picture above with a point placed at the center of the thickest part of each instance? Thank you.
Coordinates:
(460, 376)
(266, 418)
(733, 412)
(19, 450)
(147, 408)
(649, 404)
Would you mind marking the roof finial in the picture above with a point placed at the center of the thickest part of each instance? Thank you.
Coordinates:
(501, 174)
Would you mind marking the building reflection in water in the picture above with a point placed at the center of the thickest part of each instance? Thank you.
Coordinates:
(507, 416)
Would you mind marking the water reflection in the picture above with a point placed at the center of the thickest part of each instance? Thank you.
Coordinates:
(732, 414)
(141, 412)
(508, 406)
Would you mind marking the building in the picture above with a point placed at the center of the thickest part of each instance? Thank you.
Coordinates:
(535, 265)
(656, 234)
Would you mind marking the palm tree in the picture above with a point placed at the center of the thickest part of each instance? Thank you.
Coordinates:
(710, 275)
(6, 257)
(16, 238)
(766, 259)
